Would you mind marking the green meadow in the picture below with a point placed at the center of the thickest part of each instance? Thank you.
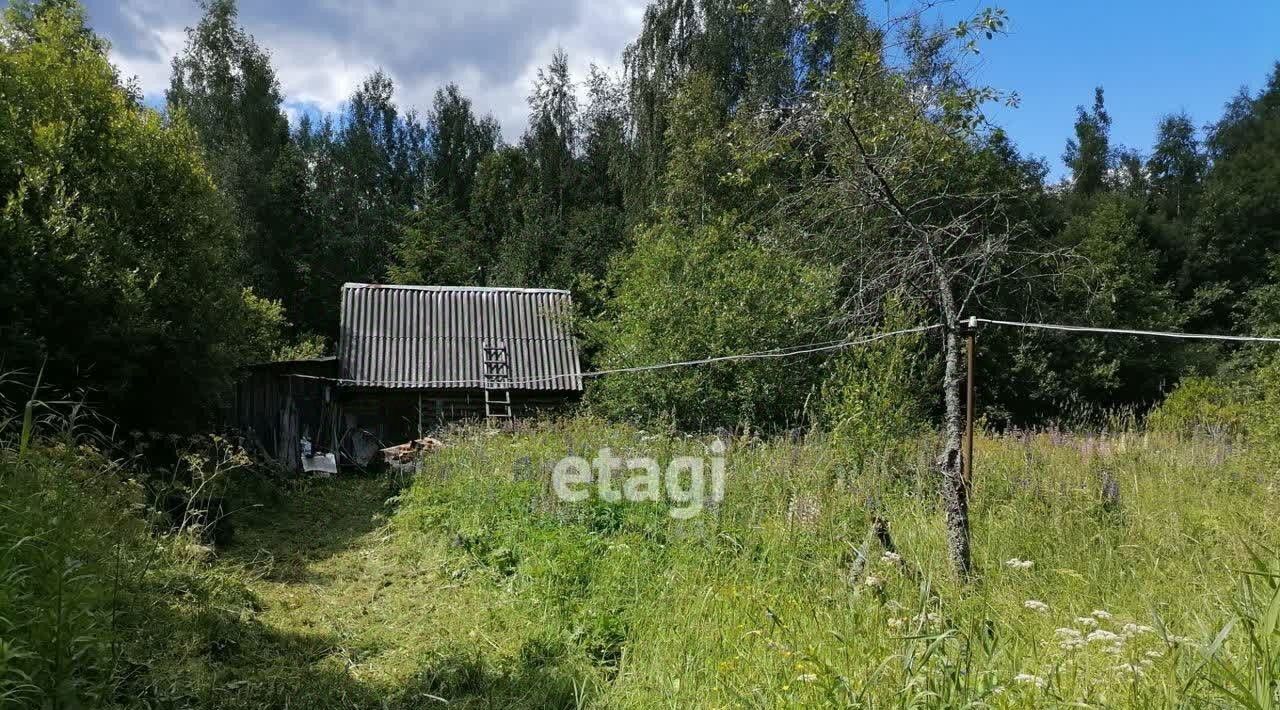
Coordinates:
(1112, 570)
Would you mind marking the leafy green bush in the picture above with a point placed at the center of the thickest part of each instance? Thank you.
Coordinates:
(1202, 405)
(1262, 418)
(120, 255)
(705, 291)
(878, 395)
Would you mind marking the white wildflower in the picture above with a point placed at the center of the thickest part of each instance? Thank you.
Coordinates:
(1037, 681)
(873, 581)
(891, 557)
(1135, 629)
(1017, 563)
(1114, 650)
(1101, 615)
(1104, 636)
(1130, 668)
(1036, 606)
(1087, 621)
(895, 623)
(1153, 654)
(1071, 639)
(806, 678)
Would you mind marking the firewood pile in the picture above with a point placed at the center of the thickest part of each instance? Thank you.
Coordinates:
(406, 455)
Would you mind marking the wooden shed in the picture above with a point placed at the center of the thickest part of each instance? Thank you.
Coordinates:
(411, 358)
(278, 404)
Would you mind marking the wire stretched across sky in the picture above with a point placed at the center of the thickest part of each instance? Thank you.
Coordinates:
(1126, 331)
(810, 348)
(773, 353)
(768, 354)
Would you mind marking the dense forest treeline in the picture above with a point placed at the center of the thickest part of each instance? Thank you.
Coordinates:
(744, 183)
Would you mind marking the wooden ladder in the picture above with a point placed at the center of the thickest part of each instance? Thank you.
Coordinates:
(497, 380)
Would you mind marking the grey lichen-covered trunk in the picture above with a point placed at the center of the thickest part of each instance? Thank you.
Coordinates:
(955, 498)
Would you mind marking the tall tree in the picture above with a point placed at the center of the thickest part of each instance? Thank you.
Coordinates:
(754, 52)
(532, 255)
(552, 139)
(1238, 224)
(597, 221)
(365, 167)
(1115, 283)
(223, 83)
(498, 209)
(1088, 155)
(1176, 167)
(1175, 174)
(433, 244)
(1131, 176)
(457, 141)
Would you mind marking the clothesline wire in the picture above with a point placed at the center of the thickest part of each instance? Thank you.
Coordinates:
(794, 350)
(774, 353)
(1127, 331)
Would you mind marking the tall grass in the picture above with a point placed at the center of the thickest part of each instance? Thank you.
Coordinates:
(59, 527)
(752, 602)
(97, 602)
(1124, 569)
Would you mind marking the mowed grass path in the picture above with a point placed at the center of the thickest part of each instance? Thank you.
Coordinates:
(373, 620)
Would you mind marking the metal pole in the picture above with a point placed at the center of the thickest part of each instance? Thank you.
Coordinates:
(969, 404)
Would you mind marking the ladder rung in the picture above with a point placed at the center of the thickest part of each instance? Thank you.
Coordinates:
(497, 376)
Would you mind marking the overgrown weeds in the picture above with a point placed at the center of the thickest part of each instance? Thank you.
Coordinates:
(1124, 569)
(1107, 564)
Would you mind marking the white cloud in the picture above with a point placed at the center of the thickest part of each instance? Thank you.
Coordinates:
(151, 69)
(321, 52)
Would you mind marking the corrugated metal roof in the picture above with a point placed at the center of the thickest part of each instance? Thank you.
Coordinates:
(421, 337)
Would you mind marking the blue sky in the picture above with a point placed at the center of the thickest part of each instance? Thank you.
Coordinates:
(1152, 57)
